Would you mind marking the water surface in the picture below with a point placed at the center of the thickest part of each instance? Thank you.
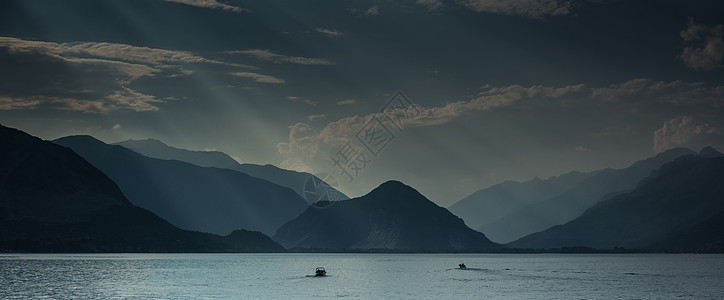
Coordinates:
(366, 276)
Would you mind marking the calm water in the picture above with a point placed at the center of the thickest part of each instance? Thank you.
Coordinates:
(367, 276)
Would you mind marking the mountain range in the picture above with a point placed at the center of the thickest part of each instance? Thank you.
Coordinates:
(294, 180)
(490, 204)
(393, 216)
(52, 200)
(192, 197)
(535, 208)
(58, 199)
(679, 207)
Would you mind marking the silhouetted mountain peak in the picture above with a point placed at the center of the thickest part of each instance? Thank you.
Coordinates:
(394, 190)
(392, 184)
(392, 216)
(677, 150)
(86, 141)
(86, 145)
(710, 152)
(82, 138)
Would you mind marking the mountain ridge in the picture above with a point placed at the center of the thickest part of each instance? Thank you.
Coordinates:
(206, 199)
(664, 206)
(487, 205)
(53, 200)
(392, 216)
(157, 149)
(564, 207)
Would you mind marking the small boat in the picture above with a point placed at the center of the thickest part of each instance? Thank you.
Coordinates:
(320, 272)
(462, 266)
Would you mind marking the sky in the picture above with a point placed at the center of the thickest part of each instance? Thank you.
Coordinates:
(448, 96)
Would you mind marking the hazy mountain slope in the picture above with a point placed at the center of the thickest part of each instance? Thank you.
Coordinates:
(674, 199)
(52, 200)
(157, 149)
(191, 197)
(488, 205)
(569, 205)
(710, 152)
(392, 216)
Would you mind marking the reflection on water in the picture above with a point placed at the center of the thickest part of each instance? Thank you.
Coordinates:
(361, 276)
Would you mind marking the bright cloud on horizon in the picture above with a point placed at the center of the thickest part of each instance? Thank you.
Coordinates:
(307, 144)
(683, 131)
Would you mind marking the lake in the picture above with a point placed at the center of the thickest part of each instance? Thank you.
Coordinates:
(364, 276)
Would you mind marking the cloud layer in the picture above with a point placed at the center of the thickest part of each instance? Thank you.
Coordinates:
(268, 56)
(259, 77)
(526, 8)
(328, 32)
(706, 46)
(681, 132)
(430, 4)
(347, 102)
(307, 144)
(107, 70)
(210, 4)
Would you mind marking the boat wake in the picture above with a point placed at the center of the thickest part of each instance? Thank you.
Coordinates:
(468, 269)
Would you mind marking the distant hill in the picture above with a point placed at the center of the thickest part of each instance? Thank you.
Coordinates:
(710, 152)
(678, 207)
(567, 206)
(191, 197)
(157, 149)
(490, 204)
(52, 200)
(393, 216)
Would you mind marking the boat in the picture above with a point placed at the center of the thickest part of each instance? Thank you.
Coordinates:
(462, 266)
(320, 272)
